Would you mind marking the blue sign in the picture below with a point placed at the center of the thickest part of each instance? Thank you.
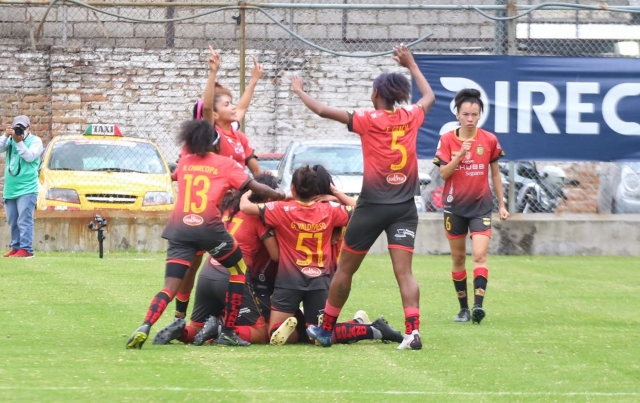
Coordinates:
(541, 108)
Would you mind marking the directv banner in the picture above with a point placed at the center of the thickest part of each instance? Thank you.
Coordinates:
(541, 108)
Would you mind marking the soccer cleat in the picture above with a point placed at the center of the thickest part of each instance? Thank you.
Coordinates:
(463, 316)
(388, 333)
(11, 253)
(22, 253)
(171, 332)
(138, 337)
(477, 314)
(231, 339)
(362, 317)
(411, 342)
(322, 337)
(281, 335)
(210, 330)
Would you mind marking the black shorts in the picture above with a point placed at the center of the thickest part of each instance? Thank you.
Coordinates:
(210, 297)
(288, 301)
(457, 226)
(219, 244)
(399, 221)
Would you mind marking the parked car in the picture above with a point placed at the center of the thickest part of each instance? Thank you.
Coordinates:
(269, 162)
(342, 158)
(102, 169)
(619, 190)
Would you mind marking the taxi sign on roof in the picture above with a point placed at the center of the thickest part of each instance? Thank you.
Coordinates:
(103, 130)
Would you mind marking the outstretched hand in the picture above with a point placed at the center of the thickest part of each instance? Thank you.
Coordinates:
(296, 83)
(214, 60)
(257, 70)
(403, 56)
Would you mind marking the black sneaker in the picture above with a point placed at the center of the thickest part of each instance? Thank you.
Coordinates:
(463, 316)
(209, 331)
(171, 332)
(477, 314)
(138, 337)
(231, 339)
(388, 333)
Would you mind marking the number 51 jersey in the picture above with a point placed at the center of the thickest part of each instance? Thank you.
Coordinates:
(202, 183)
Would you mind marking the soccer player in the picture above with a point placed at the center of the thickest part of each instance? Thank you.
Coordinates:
(195, 224)
(259, 249)
(234, 145)
(464, 156)
(390, 183)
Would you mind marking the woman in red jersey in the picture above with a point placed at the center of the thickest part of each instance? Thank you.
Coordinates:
(196, 224)
(464, 156)
(390, 183)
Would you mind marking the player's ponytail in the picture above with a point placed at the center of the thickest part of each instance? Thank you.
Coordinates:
(305, 182)
(323, 177)
(470, 95)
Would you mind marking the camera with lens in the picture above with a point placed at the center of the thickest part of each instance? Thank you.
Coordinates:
(19, 130)
(97, 223)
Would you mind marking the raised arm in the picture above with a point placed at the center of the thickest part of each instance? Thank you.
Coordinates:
(403, 56)
(210, 89)
(317, 107)
(245, 98)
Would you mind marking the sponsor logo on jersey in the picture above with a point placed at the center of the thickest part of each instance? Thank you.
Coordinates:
(449, 199)
(479, 150)
(192, 220)
(311, 271)
(396, 178)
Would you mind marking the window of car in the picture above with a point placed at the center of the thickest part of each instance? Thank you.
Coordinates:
(342, 160)
(98, 155)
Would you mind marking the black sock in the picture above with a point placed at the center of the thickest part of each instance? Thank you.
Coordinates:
(158, 305)
(480, 278)
(345, 333)
(182, 303)
(460, 284)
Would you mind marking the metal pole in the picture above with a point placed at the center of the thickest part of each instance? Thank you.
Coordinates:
(511, 47)
(243, 37)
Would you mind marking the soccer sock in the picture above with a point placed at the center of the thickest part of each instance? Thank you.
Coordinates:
(345, 333)
(182, 303)
(158, 305)
(233, 298)
(244, 332)
(273, 329)
(480, 278)
(330, 318)
(188, 334)
(411, 320)
(460, 283)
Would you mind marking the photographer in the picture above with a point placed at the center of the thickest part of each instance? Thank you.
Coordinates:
(20, 184)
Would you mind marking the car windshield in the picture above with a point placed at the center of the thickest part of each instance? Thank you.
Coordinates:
(97, 155)
(269, 164)
(338, 160)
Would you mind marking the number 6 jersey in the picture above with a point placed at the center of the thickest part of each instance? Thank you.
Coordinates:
(202, 183)
(303, 231)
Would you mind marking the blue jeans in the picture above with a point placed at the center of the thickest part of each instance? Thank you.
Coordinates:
(20, 218)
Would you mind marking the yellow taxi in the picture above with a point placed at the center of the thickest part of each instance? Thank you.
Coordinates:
(102, 169)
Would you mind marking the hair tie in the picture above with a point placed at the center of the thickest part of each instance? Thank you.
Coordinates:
(199, 109)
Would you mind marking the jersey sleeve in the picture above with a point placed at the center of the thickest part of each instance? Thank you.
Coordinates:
(416, 113)
(237, 177)
(249, 151)
(358, 121)
(268, 213)
(340, 214)
(443, 152)
(497, 151)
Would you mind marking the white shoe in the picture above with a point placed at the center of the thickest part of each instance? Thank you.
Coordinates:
(280, 336)
(362, 317)
(411, 341)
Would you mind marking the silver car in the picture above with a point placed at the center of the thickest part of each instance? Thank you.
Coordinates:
(342, 158)
(619, 190)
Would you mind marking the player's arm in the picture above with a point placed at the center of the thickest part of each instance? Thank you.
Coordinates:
(496, 179)
(254, 165)
(272, 247)
(210, 89)
(317, 107)
(343, 198)
(403, 56)
(245, 98)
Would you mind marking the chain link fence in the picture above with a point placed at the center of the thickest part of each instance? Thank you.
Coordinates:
(142, 66)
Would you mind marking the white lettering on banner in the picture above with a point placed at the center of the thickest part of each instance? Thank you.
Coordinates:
(610, 108)
(525, 109)
(542, 111)
(574, 124)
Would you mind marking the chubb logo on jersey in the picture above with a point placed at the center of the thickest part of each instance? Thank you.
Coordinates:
(311, 271)
(396, 179)
(192, 220)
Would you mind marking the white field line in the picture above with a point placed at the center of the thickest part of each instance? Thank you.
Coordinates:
(303, 391)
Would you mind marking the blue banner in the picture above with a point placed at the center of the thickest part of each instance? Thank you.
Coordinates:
(541, 108)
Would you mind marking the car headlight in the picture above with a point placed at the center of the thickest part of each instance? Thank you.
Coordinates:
(63, 195)
(629, 181)
(157, 198)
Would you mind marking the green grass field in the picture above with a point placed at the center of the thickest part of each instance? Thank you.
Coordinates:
(557, 329)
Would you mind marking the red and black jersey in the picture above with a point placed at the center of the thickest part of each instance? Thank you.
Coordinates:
(249, 232)
(236, 145)
(467, 192)
(303, 232)
(389, 149)
(202, 183)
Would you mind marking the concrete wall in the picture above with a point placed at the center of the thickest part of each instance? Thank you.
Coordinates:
(535, 234)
